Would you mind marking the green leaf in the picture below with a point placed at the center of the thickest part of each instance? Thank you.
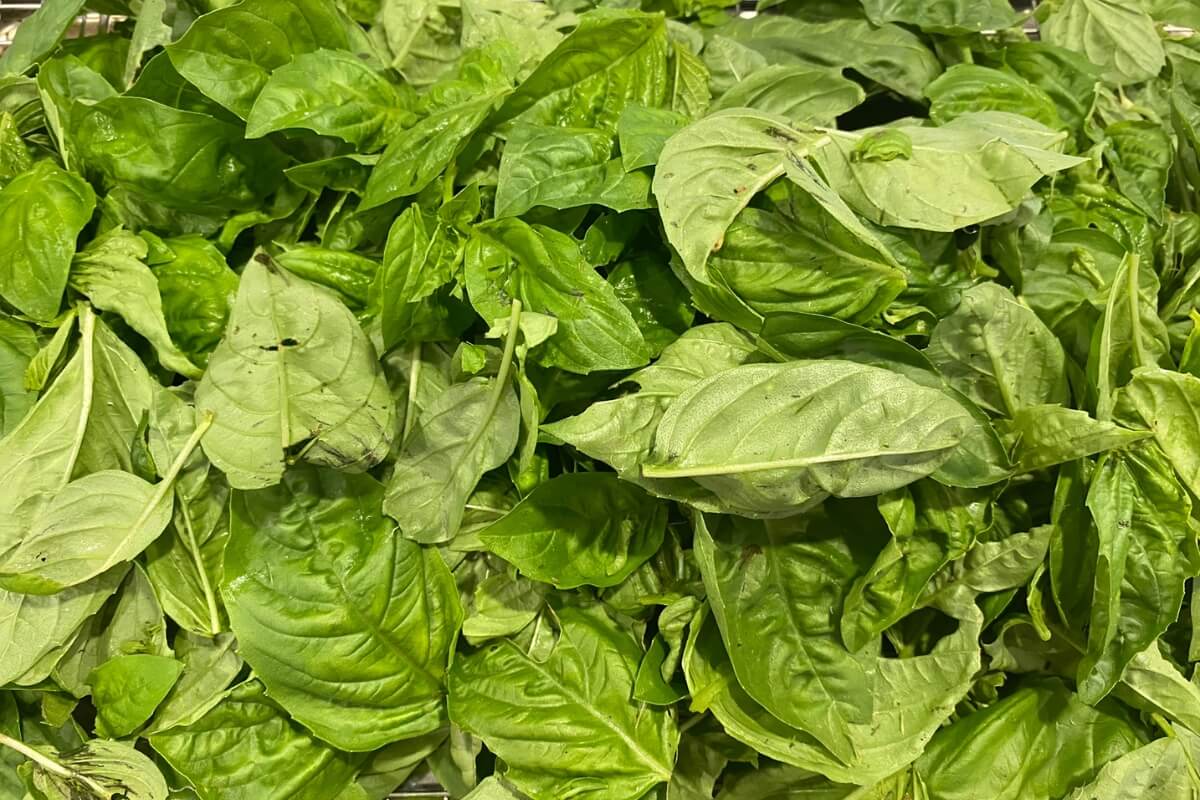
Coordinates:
(795, 93)
(582, 529)
(931, 526)
(612, 59)
(450, 112)
(93, 524)
(1118, 37)
(546, 271)
(331, 93)
(1163, 769)
(294, 368)
(209, 666)
(888, 54)
(1035, 744)
(1140, 157)
(132, 624)
(808, 263)
(966, 88)
(1044, 436)
(770, 585)
(245, 746)
(642, 132)
(593, 741)
(655, 298)
(466, 431)
(35, 627)
(149, 32)
(181, 159)
(420, 261)
(197, 288)
(42, 212)
(348, 626)
(973, 168)
(101, 769)
(916, 695)
(18, 347)
(1145, 533)
(349, 274)
(564, 168)
(850, 431)
(954, 17)
(998, 353)
(112, 272)
(127, 689)
(1163, 401)
(620, 432)
(39, 35)
(230, 54)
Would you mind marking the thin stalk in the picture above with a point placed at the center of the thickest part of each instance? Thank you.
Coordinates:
(50, 765)
(167, 484)
(664, 471)
(193, 548)
(414, 376)
(1140, 357)
(87, 332)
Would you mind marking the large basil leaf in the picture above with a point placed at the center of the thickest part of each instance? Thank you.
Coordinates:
(887, 54)
(420, 261)
(1036, 744)
(998, 353)
(808, 263)
(38, 35)
(466, 431)
(293, 368)
(93, 524)
(973, 168)
(181, 159)
(564, 168)
(931, 525)
(112, 272)
(796, 93)
(620, 432)
(230, 54)
(954, 17)
(773, 438)
(34, 627)
(771, 585)
(1163, 401)
(1119, 37)
(546, 271)
(1161, 769)
(586, 528)
(1146, 541)
(197, 288)
(246, 747)
(921, 692)
(596, 742)
(42, 212)
(100, 768)
(330, 92)
(965, 88)
(348, 626)
(450, 112)
(614, 58)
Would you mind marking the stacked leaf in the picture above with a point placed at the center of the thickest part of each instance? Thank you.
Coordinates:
(600, 400)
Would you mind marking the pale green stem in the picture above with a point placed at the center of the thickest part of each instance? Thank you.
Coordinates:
(50, 765)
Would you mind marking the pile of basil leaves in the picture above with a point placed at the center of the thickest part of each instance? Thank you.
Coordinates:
(600, 403)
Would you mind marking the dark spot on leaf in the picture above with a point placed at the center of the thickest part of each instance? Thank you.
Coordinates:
(288, 342)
